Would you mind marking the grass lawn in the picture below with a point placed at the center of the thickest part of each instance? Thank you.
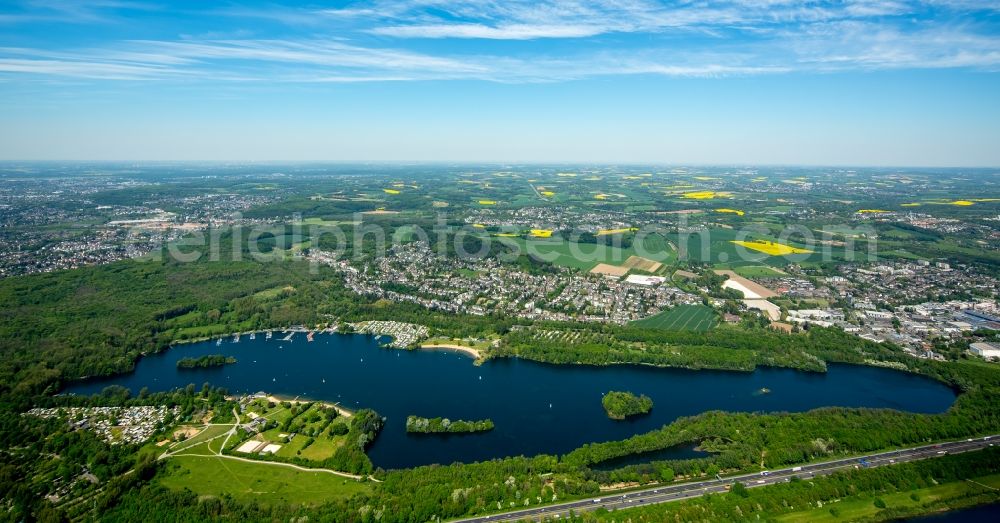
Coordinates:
(267, 484)
(218, 329)
(208, 433)
(698, 318)
(311, 421)
(201, 449)
(864, 507)
(322, 448)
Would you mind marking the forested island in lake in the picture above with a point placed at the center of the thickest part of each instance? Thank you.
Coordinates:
(204, 362)
(620, 405)
(444, 425)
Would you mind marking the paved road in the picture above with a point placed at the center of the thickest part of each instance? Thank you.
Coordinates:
(650, 496)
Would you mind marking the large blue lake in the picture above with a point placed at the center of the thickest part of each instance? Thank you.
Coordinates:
(537, 408)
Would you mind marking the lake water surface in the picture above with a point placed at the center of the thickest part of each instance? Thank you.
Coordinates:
(537, 408)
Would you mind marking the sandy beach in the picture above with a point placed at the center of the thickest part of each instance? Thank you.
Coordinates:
(460, 348)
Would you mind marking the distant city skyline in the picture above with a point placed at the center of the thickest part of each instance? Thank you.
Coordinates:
(770, 82)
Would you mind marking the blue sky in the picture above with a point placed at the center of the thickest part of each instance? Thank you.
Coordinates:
(854, 82)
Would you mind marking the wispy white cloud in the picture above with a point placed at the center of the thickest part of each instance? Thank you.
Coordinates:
(94, 70)
(529, 19)
(866, 45)
(70, 11)
(382, 40)
(323, 61)
(507, 32)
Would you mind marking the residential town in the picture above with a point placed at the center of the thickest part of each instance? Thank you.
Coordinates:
(413, 273)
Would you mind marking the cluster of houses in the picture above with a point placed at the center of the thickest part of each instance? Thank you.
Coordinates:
(403, 334)
(414, 273)
(116, 425)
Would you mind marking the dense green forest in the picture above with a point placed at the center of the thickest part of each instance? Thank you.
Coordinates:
(620, 405)
(444, 425)
(203, 362)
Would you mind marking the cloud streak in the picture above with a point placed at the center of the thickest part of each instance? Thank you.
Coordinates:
(519, 41)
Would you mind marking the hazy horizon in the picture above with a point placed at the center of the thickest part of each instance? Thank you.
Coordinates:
(487, 163)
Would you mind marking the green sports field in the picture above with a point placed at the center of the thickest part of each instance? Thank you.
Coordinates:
(698, 318)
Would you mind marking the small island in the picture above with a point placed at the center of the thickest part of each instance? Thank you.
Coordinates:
(620, 405)
(444, 425)
(204, 362)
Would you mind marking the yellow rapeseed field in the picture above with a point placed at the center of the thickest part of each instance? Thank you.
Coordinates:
(705, 195)
(541, 233)
(487, 202)
(603, 232)
(737, 212)
(771, 248)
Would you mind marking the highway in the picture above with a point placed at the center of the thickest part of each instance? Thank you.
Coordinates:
(665, 494)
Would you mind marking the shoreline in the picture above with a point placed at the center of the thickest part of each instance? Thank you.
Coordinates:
(468, 351)
(295, 328)
(298, 400)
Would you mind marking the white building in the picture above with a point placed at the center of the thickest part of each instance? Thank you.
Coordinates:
(985, 349)
(649, 281)
(879, 315)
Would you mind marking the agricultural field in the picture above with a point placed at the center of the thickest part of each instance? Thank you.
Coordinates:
(642, 264)
(696, 318)
(772, 248)
(720, 246)
(756, 271)
(585, 256)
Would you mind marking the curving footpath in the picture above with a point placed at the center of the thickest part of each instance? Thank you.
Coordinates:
(667, 494)
(231, 432)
